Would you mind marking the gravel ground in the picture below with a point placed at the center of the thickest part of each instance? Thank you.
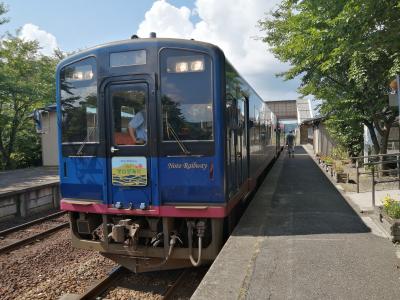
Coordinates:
(32, 230)
(152, 286)
(49, 269)
(141, 286)
(4, 224)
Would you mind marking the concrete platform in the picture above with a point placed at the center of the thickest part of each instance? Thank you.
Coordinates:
(24, 192)
(300, 239)
(16, 180)
(364, 200)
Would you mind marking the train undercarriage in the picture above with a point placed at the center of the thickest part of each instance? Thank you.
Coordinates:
(143, 244)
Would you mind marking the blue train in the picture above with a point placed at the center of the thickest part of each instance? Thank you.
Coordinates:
(160, 142)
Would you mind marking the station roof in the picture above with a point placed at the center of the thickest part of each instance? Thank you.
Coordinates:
(299, 109)
(283, 109)
(304, 110)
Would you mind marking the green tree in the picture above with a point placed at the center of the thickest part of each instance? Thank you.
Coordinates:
(26, 82)
(346, 128)
(346, 53)
(3, 10)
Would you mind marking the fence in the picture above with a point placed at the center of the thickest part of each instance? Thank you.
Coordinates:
(376, 169)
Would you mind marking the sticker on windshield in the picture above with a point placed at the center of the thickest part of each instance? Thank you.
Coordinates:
(129, 171)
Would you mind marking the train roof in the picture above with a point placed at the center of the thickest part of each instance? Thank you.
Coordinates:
(129, 44)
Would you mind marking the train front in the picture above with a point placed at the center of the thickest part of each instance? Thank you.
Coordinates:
(141, 155)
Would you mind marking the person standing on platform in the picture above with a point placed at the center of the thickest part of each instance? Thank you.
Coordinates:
(290, 143)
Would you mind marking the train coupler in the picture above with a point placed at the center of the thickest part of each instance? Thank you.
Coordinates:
(126, 231)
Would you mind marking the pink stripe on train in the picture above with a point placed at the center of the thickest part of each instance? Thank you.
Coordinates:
(157, 211)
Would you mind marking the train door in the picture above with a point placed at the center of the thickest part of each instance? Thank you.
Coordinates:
(241, 141)
(129, 141)
(236, 144)
(231, 146)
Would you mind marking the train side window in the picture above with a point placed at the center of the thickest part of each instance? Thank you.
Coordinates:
(241, 113)
(79, 102)
(231, 113)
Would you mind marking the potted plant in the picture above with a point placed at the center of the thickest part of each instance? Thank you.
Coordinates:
(340, 175)
(328, 163)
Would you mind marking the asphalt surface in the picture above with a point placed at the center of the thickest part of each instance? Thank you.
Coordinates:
(299, 239)
(19, 179)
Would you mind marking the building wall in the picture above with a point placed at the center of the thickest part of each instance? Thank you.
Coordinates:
(323, 143)
(49, 139)
(303, 134)
(393, 141)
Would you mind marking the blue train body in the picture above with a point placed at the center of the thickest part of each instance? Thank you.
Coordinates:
(204, 139)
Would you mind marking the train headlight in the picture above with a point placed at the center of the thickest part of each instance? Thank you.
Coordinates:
(77, 73)
(197, 66)
(181, 67)
(88, 75)
(185, 64)
(189, 66)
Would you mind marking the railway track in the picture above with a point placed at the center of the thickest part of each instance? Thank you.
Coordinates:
(169, 292)
(115, 277)
(24, 234)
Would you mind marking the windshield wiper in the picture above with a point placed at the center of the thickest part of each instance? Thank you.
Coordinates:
(175, 136)
(91, 130)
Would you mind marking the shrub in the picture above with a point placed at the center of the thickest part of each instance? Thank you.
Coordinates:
(328, 160)
(391, 207)
(339, 153)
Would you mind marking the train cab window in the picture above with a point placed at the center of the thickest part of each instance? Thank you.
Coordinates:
(79, 102)
(186, 95)
(130, 115)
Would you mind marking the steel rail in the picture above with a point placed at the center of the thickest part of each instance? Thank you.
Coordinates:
(101, 286)
(27, 224)
(169, 292)
(32, 238)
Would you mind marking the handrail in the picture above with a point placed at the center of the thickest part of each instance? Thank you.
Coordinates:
(375, 182)
(381, 162)
(372, 172)
(357, 158)
(375, 155)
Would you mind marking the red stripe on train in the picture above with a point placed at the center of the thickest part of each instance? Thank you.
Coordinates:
(158, 211)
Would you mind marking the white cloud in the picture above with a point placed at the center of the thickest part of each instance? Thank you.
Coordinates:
(233, 27)
(167, 20)
(47, 41)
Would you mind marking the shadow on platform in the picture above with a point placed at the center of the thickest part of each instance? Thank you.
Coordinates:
(296, 198)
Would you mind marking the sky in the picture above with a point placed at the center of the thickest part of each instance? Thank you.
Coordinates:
(232, 25)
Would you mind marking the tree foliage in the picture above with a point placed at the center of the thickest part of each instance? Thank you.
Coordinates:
(346, 53)
(3, 10)
(26, 82)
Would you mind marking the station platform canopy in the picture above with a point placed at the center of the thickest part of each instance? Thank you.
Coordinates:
(299, 109)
